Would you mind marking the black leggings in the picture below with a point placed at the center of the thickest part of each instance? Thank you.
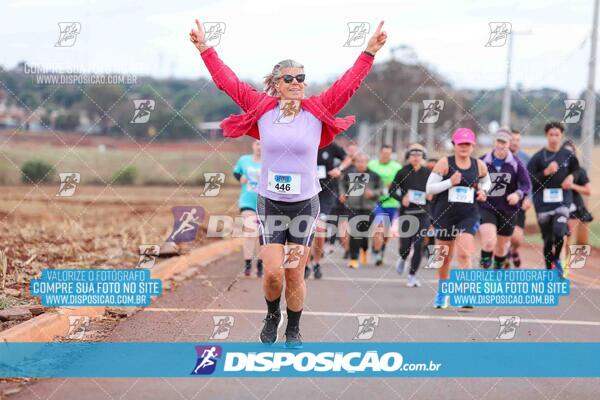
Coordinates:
(415, 241)
(552, 250)
(358, 233)
(553, 229)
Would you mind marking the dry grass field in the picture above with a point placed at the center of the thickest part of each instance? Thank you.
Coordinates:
(102, 225)
(99, 227)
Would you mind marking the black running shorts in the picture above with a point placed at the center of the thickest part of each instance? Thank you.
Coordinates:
(505, 224)
(282, 222)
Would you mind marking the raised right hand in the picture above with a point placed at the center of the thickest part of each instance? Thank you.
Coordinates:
(197, 37)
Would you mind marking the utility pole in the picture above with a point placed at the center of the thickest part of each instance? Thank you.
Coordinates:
(505, 120)
(414, 122)
(429, 140)
(589, 115)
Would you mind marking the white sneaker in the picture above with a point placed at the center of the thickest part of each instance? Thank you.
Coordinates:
(413, 282)
(400, 265)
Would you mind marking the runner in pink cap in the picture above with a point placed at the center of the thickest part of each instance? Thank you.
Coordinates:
(458, 182)
(463, 135)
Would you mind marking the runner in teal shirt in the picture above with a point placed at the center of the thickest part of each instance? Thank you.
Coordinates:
(247, 171)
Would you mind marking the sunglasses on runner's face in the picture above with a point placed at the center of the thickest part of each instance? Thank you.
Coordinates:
(290, 78)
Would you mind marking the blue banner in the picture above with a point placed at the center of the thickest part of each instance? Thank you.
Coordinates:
(514, 287)
(95, 287)
(344, 359)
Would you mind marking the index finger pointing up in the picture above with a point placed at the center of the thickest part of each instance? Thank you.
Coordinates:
(198, 25)
(378, 30)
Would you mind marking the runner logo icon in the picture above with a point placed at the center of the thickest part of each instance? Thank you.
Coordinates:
(573, 111)
(500, 181)
(578, 254)
(437, 252)
(358, 183)
(68, 34)
(508, 326)
(288, 109)
(186, 221)
(357, 33)
(148, 254)
(207, 359)
(212, 183)
(78, 325)
(223, 325)
(366, 326)
(68, 183)
(142, 110)
(431, 111)
(499, 32)
(213, 32)
(293, 255)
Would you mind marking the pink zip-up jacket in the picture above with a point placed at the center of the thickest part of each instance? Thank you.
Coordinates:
(254, 103)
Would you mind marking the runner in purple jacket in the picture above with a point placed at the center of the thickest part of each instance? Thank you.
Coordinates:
(510, 184)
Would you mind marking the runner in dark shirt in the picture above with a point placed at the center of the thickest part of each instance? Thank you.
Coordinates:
(551, 171)
(409, 188)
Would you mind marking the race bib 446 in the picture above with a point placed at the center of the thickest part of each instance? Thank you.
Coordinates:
(284, 183)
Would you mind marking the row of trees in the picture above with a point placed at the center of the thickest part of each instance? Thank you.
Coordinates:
(181, 104)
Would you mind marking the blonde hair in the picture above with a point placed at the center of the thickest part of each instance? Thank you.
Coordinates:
(275, 75)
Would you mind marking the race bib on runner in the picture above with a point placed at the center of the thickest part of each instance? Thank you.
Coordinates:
(253, 175)
(553, 195)
(461, 194)
(284, 183)
(321, 172)
(252, 186)
(417, 197)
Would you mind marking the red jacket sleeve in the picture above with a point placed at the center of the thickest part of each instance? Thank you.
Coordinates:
(338, 95)
(226, 80)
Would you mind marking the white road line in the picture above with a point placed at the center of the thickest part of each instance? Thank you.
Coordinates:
(336, 279)
(574, 284)
(225, 311)
(380, 280)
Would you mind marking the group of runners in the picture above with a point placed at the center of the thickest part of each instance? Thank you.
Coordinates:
(297, 181)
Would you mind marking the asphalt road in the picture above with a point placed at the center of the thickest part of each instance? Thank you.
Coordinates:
(330, 314)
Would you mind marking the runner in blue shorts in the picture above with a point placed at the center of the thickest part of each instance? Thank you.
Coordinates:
(387, 207)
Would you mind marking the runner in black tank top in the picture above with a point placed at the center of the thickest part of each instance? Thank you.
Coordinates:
(455, 210)
(447, 213)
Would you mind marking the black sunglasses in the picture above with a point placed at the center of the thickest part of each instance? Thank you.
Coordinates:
(290, 78)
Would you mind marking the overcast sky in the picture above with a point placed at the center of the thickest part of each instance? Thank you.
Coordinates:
(152, 37)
